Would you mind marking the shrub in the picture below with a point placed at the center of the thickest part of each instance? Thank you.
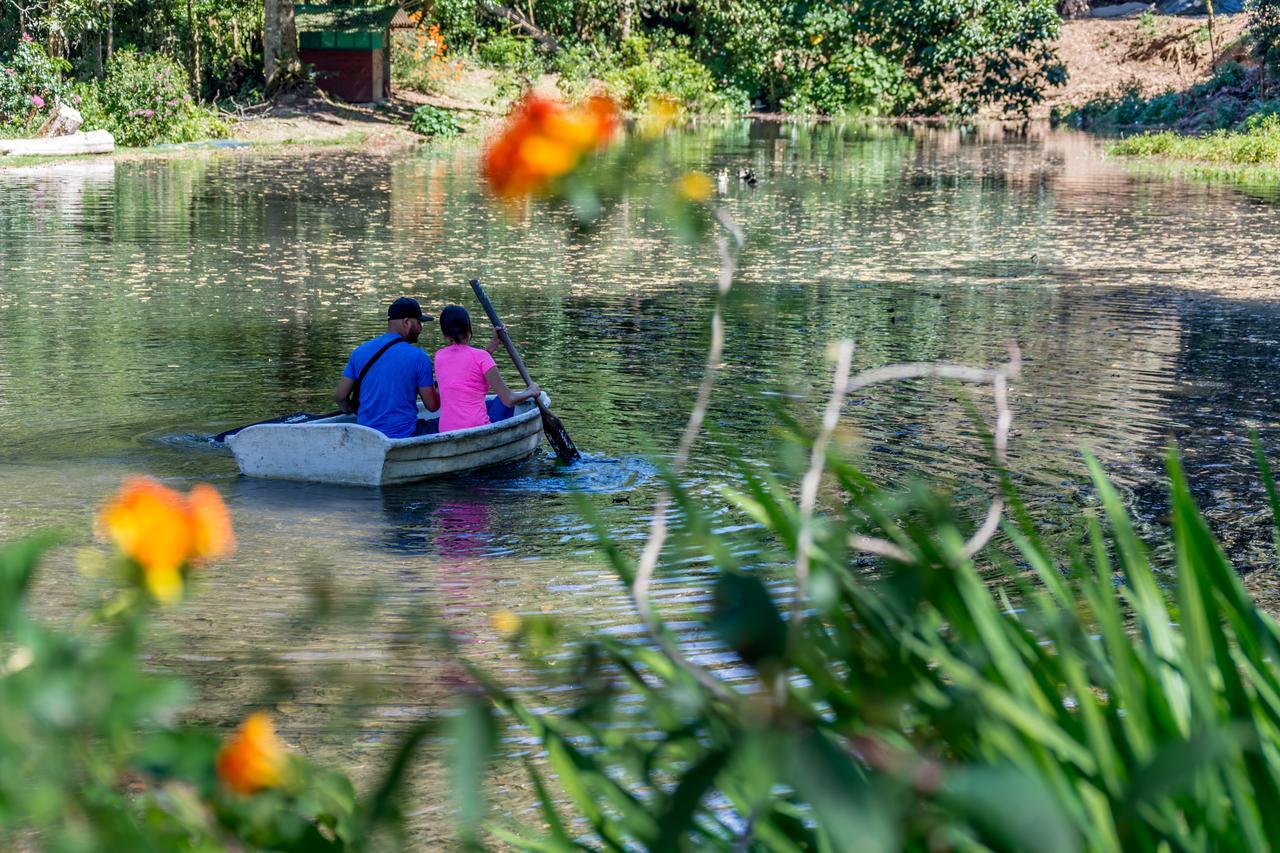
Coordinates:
(421, 60)
(144, 101)
(433, 121)
(1264, 25)
(91, 757)
(31, 82)
(511, 53)
(1228, 75)
(642, 71)
(854, 80)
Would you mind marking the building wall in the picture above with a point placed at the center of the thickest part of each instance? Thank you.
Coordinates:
(358, 76)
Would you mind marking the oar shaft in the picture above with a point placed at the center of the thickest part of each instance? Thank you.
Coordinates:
(556, 434)
(502, 333)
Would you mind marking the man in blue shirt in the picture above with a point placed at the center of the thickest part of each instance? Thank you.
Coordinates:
(388, 391)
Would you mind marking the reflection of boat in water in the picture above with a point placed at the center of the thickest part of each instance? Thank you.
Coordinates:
(338, 450)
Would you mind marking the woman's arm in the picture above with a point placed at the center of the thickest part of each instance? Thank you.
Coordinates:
(430, 398)
(505, 394)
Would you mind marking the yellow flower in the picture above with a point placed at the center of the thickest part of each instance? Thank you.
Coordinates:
(253, 758)
(695, 186)
(505, 622)
(163, 531)
(660, 113)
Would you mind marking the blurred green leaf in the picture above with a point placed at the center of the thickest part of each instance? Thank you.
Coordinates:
(473, 737)
(1012, 810)
(746, 620)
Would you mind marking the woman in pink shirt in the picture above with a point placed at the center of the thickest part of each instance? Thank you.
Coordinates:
(465, 374)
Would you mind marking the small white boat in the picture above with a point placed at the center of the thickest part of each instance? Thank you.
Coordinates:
(339, 450)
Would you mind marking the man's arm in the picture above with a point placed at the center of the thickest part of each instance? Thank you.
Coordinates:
(343, 392)
(430, 398)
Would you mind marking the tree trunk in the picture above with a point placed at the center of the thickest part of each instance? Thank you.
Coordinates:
(507, 13)
(193, 53)
(1073, 8)
(97, 57)
(279, 40)
(1213, 50)
(111, 28)
(625, 16)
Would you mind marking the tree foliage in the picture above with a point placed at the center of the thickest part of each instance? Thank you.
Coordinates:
(875, 56)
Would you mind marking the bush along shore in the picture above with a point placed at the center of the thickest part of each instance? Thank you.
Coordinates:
(201, 71)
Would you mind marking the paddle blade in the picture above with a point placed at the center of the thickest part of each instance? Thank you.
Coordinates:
(559, 438)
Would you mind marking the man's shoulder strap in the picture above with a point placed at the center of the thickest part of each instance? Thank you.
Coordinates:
(354, 396)
(377, 355)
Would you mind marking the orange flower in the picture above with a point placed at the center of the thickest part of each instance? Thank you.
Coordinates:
(211, 522)
(163, 531)
(253, 758)
(543, 140)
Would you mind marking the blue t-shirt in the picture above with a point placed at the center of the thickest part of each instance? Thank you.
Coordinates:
(388, 394)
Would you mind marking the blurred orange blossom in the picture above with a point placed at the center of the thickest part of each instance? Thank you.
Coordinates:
(542, 140)
(254, 757)
(163, 530)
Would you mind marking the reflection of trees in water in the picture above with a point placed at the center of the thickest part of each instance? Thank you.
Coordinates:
(253, 277)
(1225, 381)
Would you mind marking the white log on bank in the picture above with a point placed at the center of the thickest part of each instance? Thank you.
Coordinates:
(93, 142)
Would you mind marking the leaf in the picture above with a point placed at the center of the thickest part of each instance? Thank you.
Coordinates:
(380, 805)
(560, 839)
(853, 811)
(1010, 809)
(18, 562)
(1269, 483)
(746, 620)
(683, 803)
(473, 737)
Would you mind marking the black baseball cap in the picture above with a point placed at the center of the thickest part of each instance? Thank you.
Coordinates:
(406, 307)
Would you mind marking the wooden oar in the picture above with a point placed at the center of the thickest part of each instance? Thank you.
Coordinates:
(295, 418)
(556, 433)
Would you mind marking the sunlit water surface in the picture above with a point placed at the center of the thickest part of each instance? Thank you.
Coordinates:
(145, 305)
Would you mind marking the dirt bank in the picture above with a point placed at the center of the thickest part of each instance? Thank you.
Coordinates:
(1156, 54)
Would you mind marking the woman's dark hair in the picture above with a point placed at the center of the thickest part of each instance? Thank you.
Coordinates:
(455, 323)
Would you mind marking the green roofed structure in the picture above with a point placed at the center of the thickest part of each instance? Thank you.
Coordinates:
(349, 46)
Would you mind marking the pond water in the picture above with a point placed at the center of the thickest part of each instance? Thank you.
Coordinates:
(145, 305)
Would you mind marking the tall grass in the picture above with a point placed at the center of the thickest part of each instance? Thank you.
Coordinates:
(1257, 144)
(1087, 699)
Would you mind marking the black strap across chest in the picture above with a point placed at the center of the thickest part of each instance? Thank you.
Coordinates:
(354, 396)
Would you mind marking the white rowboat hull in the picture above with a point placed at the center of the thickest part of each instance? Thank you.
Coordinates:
(338, 450)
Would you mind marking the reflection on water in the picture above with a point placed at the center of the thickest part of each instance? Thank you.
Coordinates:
(146, 303)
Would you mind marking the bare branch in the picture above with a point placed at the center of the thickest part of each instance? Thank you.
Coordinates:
(813, 479)
(998, 378)
(648, 562)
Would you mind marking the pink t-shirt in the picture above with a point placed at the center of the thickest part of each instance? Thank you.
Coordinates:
(460, 374)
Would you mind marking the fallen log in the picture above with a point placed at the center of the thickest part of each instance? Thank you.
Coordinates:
(93, 142)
